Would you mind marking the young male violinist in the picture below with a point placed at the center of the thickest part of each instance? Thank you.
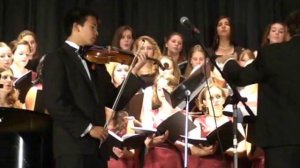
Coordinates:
(75, 95)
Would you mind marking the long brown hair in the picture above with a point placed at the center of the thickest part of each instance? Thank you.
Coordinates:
(265, 41)
(119, 33)
(189, 67)
(182, 54)
(216, 41)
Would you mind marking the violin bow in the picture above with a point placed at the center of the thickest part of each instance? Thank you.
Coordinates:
(122, 88)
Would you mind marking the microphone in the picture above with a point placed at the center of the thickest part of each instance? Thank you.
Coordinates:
(186, 22)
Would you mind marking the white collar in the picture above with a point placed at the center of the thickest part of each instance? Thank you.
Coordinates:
(72, 44)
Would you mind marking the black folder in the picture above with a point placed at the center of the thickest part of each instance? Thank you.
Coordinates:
(130, 141)
(175, 124)
(225, 134)
(194, 84)
(23, 84)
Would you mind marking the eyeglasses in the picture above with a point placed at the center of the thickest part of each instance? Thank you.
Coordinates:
(4, 77)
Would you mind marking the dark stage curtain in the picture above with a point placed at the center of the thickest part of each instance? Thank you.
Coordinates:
(156, 18)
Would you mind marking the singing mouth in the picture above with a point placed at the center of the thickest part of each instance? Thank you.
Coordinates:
(176, 48)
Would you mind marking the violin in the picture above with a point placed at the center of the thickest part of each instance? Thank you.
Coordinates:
(103, 55)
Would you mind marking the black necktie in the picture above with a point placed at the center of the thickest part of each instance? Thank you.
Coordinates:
(81, 52)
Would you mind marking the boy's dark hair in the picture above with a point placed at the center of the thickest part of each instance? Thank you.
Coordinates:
(293, 23)
(77, 15)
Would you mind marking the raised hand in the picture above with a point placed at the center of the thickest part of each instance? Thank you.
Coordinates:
(142, 59)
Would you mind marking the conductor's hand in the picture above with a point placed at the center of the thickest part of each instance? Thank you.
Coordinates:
(142, 59)
(99, 133)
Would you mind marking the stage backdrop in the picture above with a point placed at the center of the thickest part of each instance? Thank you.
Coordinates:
(156, 18)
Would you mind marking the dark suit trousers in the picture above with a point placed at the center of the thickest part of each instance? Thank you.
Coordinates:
(282, 157)
(80, 161)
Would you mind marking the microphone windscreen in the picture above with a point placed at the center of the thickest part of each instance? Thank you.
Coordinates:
(183, 19)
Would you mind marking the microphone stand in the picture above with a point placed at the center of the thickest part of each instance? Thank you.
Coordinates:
(234, 101)
(236, 97)
(187, 95)
(182, 94)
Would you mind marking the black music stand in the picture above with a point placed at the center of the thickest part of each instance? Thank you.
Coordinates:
(194, 83)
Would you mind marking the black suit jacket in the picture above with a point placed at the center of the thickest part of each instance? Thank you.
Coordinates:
(74, 101)
(276, 70)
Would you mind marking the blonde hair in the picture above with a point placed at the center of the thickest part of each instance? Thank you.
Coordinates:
(26, 33)
(202, 96)
(4, 45)
(172, 82)
(110, 67)
(12, 98)
(156, 50)
(29, 33)
(15, 43)
(245, 53)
